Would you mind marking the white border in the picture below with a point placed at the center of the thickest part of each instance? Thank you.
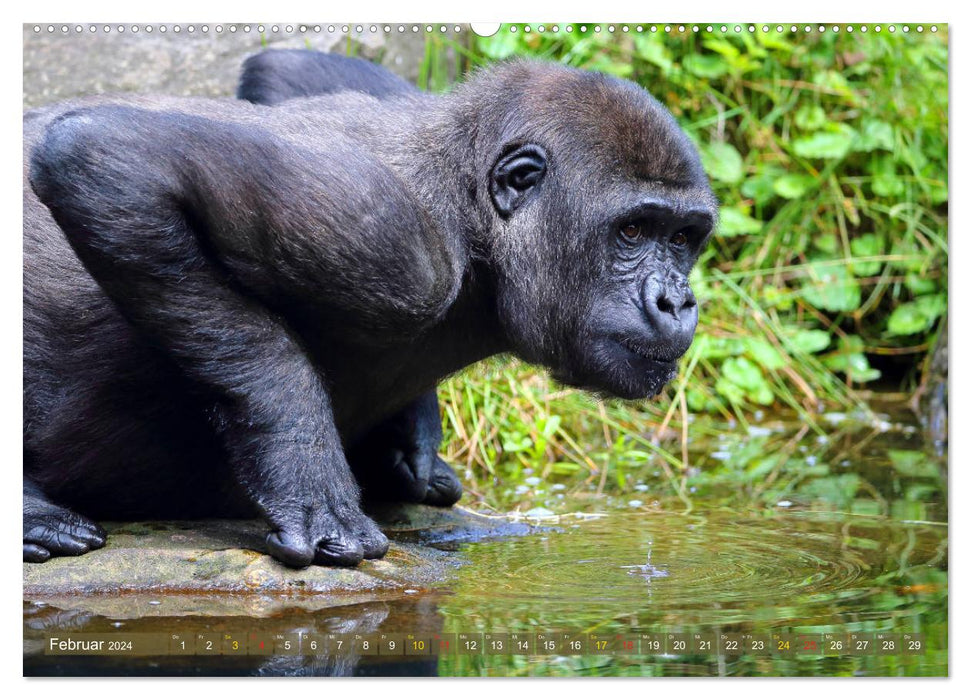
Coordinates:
(820, 11)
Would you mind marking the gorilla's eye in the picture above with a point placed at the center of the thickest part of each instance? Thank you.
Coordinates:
(679, 240)
(632, 232)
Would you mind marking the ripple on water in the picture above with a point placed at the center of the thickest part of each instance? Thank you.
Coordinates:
(667, 565)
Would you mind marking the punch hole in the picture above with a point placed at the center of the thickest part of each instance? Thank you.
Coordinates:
(488, 29)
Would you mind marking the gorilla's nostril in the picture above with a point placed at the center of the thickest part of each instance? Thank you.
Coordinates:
(665, 305)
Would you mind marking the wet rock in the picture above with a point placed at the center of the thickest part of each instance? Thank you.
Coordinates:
(221, 567)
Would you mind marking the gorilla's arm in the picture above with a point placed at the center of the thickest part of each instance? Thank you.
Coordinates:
(398, 459)
(278, 75)
(187, 248)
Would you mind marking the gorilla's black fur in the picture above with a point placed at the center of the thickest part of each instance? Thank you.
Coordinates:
(230, 306)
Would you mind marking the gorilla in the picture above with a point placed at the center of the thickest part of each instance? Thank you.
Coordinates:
(242, 307)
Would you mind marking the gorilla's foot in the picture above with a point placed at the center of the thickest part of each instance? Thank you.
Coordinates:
(342, 537)
(52, 531)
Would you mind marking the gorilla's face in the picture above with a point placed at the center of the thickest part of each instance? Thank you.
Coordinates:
(641, 317)
(602, 216)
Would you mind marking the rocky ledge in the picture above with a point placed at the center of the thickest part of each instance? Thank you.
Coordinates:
(147, 568)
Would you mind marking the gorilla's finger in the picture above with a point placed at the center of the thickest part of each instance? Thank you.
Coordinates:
(339, 550)
(291, 548)
(35, 553)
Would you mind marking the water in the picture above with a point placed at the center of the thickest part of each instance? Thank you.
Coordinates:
(848, 536)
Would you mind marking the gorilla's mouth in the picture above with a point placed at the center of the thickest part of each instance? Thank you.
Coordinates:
(646, 353)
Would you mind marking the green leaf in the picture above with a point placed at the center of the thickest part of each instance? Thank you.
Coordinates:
(705, 66)
(734, 222)
(886, 182)
(834, 82)
(793, 186)
(832, 287)
(764, 353)
(745, 375)
(919, 285)
(866, 246)
(850, 360)
(916, 316)
(913, 463)
(761, 186)
(810, 340)
(722, 162)
(826, 242)
(831, 144)
(652, 50)
(810, 117)
(875, 134)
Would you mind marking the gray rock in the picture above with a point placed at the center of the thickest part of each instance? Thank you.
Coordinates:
(220, 567)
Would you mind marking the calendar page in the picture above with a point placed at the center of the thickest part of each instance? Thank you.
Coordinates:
(516, 349)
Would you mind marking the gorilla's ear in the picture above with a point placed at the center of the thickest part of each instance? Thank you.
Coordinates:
(514, 176)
